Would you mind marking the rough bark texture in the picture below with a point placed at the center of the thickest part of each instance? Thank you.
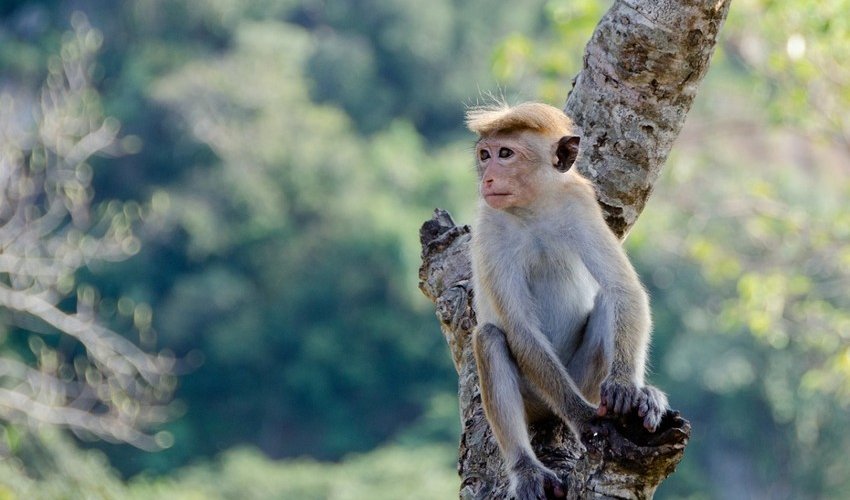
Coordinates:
(642, 68)
(641, 71)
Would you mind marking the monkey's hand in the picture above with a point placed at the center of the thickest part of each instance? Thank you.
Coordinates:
(617, 397)
(621, 398)
(651, 405)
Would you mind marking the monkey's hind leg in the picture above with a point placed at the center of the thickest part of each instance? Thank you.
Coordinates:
(501, 395)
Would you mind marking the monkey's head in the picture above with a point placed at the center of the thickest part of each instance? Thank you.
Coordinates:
(523, 154)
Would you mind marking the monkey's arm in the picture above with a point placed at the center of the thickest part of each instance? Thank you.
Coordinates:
(621, 322)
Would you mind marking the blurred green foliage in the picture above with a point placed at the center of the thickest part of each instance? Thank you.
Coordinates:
(55, 470)
(290, 151)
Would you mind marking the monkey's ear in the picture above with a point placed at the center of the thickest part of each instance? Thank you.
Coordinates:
(566, 152)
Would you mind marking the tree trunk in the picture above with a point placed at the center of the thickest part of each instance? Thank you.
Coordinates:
(641, 71)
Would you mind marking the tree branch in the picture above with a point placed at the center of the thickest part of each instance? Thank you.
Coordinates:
(641, 71)
(642, 68)
(49, 230)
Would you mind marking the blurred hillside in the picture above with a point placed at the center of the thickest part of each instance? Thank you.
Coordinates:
(281, 155)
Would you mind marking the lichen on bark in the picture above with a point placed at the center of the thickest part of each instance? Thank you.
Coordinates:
(642, 68)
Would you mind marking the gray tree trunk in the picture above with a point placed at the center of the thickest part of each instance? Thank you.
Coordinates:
(642, 68)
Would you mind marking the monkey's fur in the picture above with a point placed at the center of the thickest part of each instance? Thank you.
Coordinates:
(564, 320)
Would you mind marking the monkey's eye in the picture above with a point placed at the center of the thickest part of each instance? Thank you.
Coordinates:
(483, 155)
(505, 153)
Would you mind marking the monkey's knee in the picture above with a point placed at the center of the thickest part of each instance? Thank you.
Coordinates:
(488, 336)
(492, 354)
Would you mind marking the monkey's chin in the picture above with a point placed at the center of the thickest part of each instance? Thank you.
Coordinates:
(498, 201)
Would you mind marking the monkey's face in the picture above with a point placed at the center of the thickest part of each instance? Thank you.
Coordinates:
(513, 168)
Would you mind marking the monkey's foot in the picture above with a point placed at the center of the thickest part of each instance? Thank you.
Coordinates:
(532, 481)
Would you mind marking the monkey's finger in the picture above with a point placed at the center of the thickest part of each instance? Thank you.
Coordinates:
(622, 401)
(615, 402)
(657, 407)
(602, 410)
(652, 419)
(643, 407)
(632, 400)
(656, 398)
(649, 423)
(607, 399)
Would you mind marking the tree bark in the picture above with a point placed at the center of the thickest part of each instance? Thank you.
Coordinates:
(642, 68)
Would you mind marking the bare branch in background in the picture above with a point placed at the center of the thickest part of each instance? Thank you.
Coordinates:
(49, 230)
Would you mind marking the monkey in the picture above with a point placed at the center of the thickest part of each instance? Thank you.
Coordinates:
(563, 319)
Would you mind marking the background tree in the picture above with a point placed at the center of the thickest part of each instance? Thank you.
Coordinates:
(752, 200)
(76, 372)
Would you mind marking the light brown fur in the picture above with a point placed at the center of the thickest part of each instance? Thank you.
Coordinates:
(541, 118)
